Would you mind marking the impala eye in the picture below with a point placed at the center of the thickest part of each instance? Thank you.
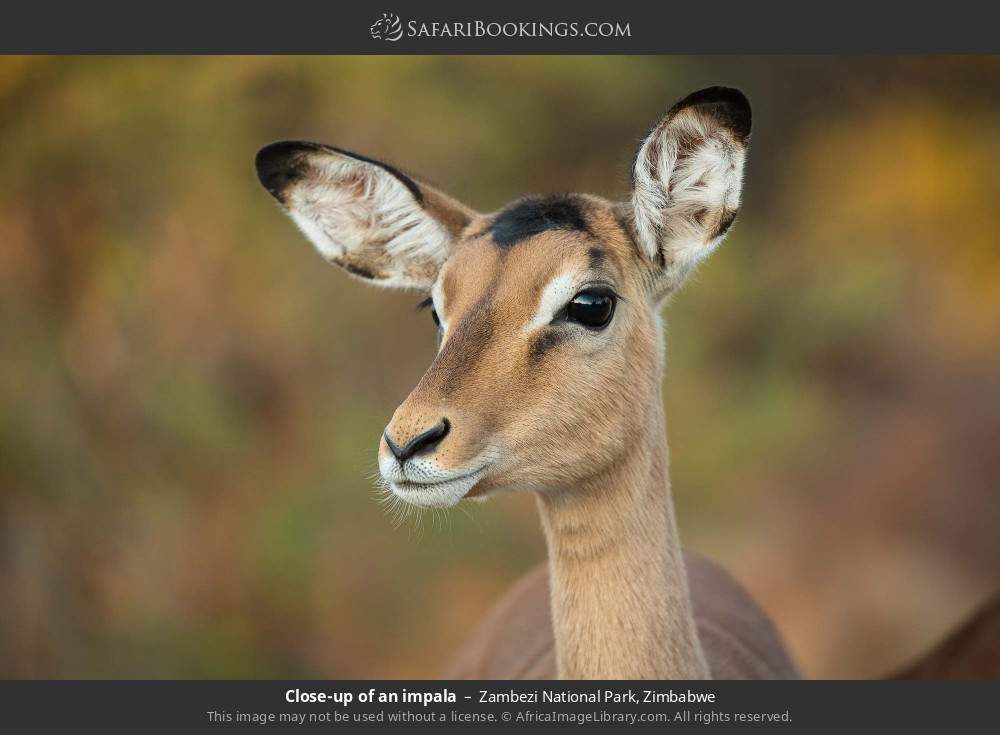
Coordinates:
(435, 317)
(592, 308)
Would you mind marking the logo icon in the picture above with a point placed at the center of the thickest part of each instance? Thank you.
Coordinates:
(387, 28)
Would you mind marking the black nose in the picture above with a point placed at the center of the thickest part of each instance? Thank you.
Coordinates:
(423, 442)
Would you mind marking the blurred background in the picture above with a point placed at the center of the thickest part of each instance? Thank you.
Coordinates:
(190, 399)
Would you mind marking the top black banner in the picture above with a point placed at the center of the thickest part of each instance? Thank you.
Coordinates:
(513, 26)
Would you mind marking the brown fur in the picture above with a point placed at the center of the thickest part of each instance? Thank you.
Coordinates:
(533, 402)
(603, 491)
(572, 414)
(516, 641)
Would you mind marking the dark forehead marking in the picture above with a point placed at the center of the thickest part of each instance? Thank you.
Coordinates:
(529, 217)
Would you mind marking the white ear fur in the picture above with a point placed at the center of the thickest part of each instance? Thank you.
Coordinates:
(687, 180)
(360, 214)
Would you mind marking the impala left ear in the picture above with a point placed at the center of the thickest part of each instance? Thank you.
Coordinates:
(372, 220)
(687, 179)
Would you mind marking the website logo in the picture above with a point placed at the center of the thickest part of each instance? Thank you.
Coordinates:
(387, 28)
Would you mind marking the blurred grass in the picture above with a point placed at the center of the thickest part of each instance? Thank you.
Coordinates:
(190, 400)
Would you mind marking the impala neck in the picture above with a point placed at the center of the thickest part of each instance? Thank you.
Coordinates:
(620, 602)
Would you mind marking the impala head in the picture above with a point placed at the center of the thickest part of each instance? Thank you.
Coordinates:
(549, 358)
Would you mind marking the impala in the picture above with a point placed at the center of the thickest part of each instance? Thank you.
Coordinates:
(548, 380)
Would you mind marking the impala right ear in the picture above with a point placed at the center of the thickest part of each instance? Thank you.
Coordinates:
(687, 179)
(369, 218)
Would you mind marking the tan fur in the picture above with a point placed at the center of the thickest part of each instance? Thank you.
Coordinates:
(532, 402)
(516, 641)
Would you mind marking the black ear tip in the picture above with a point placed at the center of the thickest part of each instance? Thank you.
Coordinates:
(730, 106)
(279, 164)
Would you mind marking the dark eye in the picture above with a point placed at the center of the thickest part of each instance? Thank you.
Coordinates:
(592, 308)
(436, 318)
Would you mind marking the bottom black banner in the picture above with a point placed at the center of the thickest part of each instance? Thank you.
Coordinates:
(283, 706)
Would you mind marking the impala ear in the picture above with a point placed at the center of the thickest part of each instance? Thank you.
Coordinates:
(365, 216)
(687, 179)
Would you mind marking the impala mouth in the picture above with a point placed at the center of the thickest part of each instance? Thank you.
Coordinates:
(438, 494)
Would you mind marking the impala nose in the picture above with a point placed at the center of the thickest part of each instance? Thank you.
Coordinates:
(422, 442)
